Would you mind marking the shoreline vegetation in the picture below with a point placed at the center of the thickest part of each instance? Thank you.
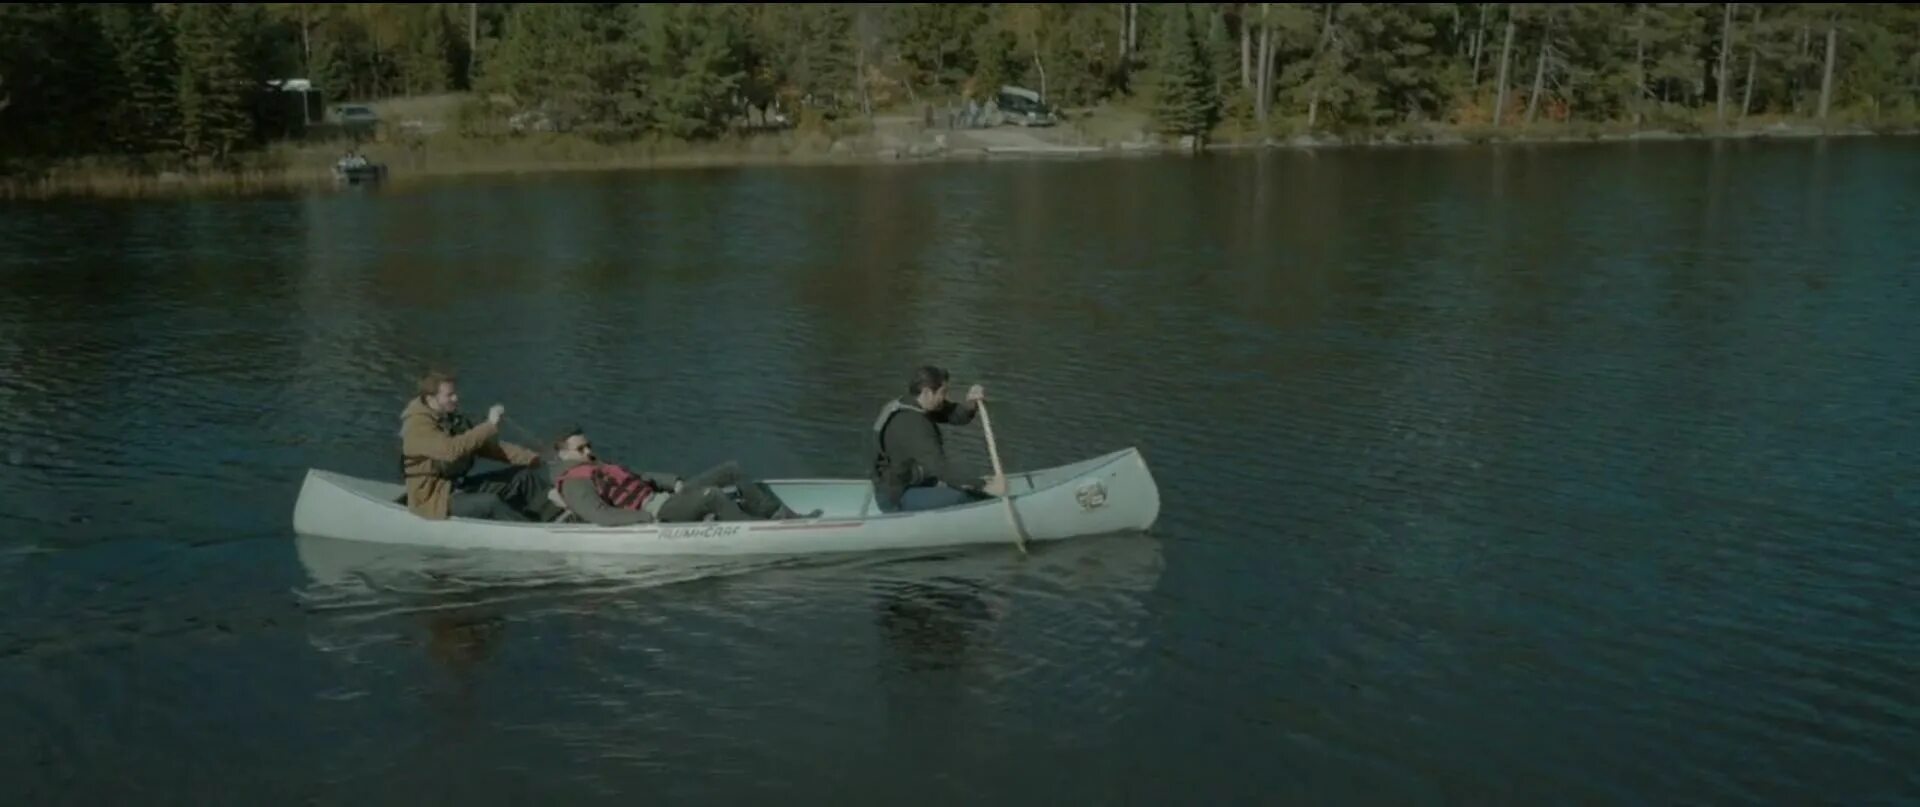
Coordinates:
(308, 168)
(195, 99)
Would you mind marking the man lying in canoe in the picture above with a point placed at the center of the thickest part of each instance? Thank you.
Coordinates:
(910, 467)
(608, 495)
(438, 446)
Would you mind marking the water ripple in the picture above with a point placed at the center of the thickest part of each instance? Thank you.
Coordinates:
(1474, 489)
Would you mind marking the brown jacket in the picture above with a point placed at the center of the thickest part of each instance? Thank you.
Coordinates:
(425, 443)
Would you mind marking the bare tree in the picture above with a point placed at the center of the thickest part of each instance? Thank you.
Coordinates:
(1753, 60)
(1506, 58)
(1479, 32)
(1319, 53)
(1263, 85)
(1246, 50)
(1826, 80)
(1640, 63)
(1133, 28)
(1726, 81)
(1540, 65)
(473, 39)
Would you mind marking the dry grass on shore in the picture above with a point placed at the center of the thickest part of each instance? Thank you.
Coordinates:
(287, 167)
(292, 166)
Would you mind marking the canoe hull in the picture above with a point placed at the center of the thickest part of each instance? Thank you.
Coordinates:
(1112, 493)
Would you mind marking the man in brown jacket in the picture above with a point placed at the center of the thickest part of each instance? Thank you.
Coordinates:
(438, 446)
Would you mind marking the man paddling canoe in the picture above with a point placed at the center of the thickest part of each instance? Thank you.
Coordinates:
(608, 495)
(438, 446)
(910, 467)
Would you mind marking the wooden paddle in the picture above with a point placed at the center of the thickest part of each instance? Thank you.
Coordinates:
(993, 453)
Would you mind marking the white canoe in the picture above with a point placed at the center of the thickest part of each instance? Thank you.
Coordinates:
(354, 575)
(1112, 493)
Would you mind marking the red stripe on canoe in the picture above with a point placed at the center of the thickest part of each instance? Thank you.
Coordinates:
(836, 526)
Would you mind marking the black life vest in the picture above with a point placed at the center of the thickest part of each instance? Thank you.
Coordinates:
(883, 464)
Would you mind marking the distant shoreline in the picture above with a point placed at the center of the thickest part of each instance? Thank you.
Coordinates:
(308, 168)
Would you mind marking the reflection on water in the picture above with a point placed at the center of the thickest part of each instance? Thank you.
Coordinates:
(1488, 475)
(710, 671)
(358, 577)
(931, 627)
(463, 640)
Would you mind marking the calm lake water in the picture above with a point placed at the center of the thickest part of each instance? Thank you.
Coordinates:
(1538, 475)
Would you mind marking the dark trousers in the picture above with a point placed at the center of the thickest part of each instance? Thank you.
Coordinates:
(702, 494)
(930, 497)
(507, 494)
(485, 506)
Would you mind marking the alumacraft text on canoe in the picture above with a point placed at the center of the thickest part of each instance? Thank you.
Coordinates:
(700, 531)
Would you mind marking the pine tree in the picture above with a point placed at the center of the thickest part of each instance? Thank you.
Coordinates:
(1400, 62)
(216, 88)
(997, 62)
(1673, 37)
(85, 79)
(1325, 82)
(425, 60)
(1877, 76)
(147, 115)
(1186, 102)
(936, 42)
(1222, 50)
(824, 66)
(692, 69)
(568, 60)
(1223, 62)
(60, 72)
(1600, 81)
(1771, 55)
(1080, 51)
(335, 59)
(22, 52)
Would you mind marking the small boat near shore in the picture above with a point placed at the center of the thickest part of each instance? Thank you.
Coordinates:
(1106, 494)
(359, 172)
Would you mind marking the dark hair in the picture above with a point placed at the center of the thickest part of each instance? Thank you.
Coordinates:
(560, 443)
(926, 378)
(430, 385)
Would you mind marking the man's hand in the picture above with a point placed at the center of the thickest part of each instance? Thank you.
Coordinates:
(976, 394)
(995, 486)
(495, 413)
(678, 484)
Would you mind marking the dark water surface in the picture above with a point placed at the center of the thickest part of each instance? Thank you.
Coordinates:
(1544, 475)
